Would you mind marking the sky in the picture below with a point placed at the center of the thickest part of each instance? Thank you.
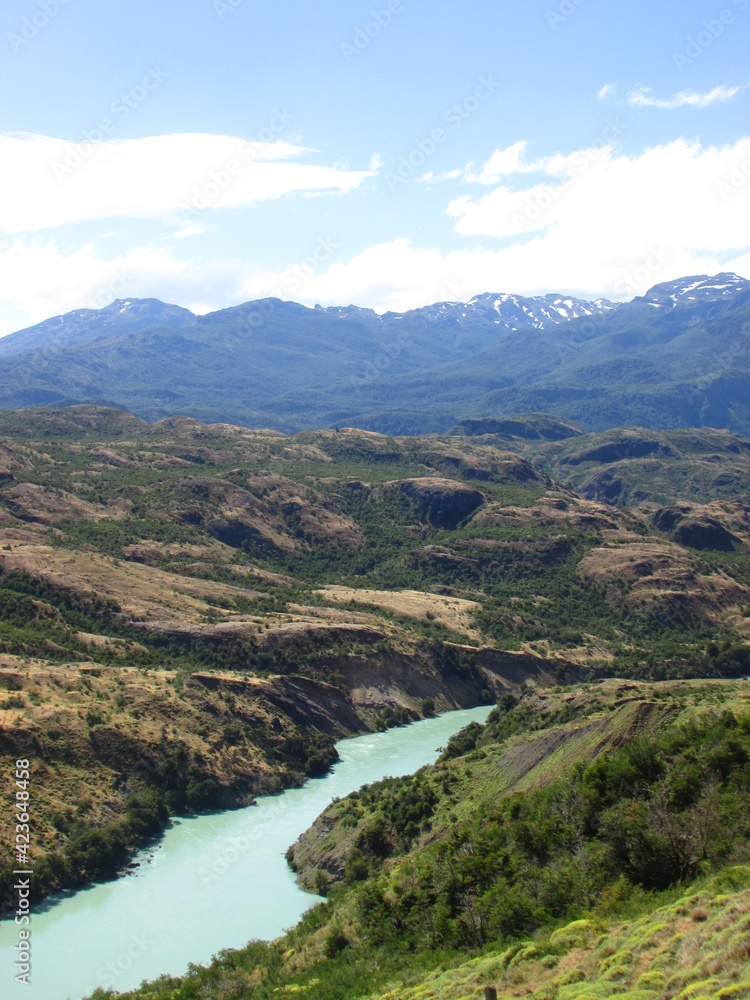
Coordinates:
(387, 154)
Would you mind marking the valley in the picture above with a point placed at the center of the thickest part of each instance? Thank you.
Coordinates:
(375, 501)
(568, 848)
(193, 615)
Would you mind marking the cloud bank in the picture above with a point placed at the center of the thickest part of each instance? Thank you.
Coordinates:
(591, 222)
(54, 183)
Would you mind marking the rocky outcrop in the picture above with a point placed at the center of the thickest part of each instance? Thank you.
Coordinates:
(488, 465)
(695, 529)
(616, 451)
(452, 675)
(605, 487)
(666, 519)
(705, 533)
(259, 513)
(534, 427)
(441, 502)
(32, 503)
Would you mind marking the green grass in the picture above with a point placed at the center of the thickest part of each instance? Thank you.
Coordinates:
(581, 879)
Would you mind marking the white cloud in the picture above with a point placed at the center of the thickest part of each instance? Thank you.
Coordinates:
(54, 182)
(616, 203)
(449, 175)
(38, 280)
(376, 162)
(642, 97)
(400, 276)
(511, 161)
(603, 224)
(187, 231)
(503, 163)
(599, 223)
(608, 90)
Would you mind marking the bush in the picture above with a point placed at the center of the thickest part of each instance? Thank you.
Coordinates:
(335, 943)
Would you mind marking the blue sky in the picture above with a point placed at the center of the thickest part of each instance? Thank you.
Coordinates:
(389, 153)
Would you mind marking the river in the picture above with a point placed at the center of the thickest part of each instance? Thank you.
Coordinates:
(211, 882)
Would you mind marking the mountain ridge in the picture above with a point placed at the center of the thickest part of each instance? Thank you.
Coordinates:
(142, 314)
(554, 307)
(677, 356)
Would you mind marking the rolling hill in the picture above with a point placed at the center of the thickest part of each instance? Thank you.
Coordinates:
(191, 615)
(168, 590)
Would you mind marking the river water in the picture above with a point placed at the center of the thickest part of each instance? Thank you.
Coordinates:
(212, 882)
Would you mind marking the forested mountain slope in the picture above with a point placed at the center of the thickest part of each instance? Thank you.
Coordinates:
(676, 357)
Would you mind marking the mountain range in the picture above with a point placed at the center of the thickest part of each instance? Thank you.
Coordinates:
(674, 357)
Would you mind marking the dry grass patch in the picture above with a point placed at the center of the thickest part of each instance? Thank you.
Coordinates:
(455, 613)
(86, 726)
(654, 572)
(145, 593)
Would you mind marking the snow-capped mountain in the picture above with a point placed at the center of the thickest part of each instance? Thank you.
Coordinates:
(539, 312)
(677, 356)
(81, 325)
(491, 315)
(501, 312)
(696, 290)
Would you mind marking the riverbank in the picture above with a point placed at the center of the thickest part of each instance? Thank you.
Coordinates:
(569, 848)
(116, 751)
(217, 881)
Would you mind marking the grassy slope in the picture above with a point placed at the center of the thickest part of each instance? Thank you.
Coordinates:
(696, 946)
(135, 559)
(388, 931)
(695, 465)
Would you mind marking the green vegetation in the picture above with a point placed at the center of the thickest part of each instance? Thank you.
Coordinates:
(633, 465)
(39, 619)
(438, 869)
(277, 364)
(182, 548)
(192, 615)
(144, 502)
(94, 852)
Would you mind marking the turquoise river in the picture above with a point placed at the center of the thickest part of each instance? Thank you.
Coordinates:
(211, 882)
